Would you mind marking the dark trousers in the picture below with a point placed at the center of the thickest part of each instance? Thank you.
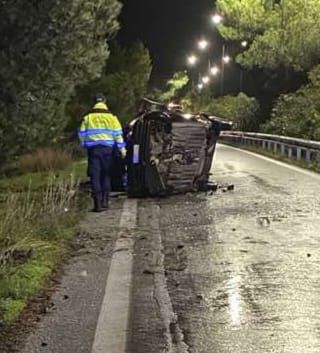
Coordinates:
(99, 170)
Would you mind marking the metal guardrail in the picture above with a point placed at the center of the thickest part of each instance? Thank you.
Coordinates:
(292, 148)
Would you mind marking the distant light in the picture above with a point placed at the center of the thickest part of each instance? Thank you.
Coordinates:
(200, 86)
(205, 79)
(244, 43)
(217, 19)
(187, 116)
(214, 70)
(192, 60)
(171, 105)
(227, 59)
(203, 44)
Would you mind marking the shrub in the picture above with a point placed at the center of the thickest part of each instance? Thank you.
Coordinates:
(45, 159)
(298, 114)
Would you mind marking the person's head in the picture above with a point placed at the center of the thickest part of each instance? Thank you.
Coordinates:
(99, 98)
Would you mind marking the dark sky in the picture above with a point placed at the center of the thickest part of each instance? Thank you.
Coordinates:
(170, 29)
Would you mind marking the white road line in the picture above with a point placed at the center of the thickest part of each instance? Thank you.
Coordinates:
(112, 328)
(271, 160)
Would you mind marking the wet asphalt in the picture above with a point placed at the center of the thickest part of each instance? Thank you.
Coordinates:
(227, 272)
(243, 266)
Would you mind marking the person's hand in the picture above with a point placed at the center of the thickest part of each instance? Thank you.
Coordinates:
(123, 153)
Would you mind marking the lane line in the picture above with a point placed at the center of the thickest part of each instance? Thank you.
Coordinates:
(271, 160)
(113, 323)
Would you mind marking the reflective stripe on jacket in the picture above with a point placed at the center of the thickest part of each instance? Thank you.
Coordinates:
(101, 128)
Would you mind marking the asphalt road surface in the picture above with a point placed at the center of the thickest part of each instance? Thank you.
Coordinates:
(231, 272)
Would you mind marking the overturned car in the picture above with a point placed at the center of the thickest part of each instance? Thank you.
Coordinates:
(170, 151)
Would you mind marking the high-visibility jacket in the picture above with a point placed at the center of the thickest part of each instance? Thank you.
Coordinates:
(101, 128)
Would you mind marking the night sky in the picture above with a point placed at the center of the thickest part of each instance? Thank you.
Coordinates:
(170, 30)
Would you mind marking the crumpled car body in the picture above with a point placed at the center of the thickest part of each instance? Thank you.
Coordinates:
(170, 152)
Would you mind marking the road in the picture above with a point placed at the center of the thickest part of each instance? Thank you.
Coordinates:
(235, 271)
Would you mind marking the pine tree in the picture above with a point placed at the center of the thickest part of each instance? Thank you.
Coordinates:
(48, 47)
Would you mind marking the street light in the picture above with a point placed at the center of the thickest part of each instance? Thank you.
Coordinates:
(192, 60)
(214, 71)
(226, 59)
(205, 79)
(244, 44)
(217, 19)
(203, 44)
(200, 86)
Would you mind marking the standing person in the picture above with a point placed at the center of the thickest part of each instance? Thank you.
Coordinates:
(100, 132)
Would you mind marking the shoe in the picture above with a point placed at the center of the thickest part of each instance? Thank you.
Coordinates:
(105, 204)
(97, 206)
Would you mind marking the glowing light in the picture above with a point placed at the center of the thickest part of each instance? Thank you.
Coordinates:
(227, 59)
(203, 44)
(205, 79)
(200, 86)
(217, 19)
(192, 60)
(244, 43)
(214, 70)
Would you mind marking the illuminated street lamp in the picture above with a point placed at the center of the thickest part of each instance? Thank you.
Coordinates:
(244, 44)
(192, 60)
(217, 19)
(226, 59)
(214, 71)
(200, 86)
(205, 80)
(203, 44)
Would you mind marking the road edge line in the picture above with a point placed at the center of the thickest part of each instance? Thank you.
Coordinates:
(269, 159)
(111, 334)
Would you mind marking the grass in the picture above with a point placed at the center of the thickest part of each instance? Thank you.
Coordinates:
(44, 159)
(268, 153)
(39, 214)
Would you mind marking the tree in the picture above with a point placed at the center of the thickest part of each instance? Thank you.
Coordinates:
(47, 48)
(240, 109)
(175, 86)
(124, 82)
(298, 114)
(282, 33)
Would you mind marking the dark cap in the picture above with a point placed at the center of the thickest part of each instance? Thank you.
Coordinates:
(99, 98)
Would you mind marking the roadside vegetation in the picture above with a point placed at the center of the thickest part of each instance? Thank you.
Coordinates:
(39, 215)
(53, 60)
(282, 56)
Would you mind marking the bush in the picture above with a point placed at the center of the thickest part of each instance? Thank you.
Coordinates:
(44, 160)
(298, 114)
(240, 109)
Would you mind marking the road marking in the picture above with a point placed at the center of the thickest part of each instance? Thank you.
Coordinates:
(113, 323)
(271, 160)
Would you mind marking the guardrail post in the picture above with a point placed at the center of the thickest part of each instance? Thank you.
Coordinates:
(318, 159)
(289, 152)
(298, 154)
(308, 155)
(264, 144)
(283, 149)
(275, 148)
(269, 145)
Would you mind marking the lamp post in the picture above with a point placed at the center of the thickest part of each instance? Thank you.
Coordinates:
(192, 60)
(203, 44)
(222, 69)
